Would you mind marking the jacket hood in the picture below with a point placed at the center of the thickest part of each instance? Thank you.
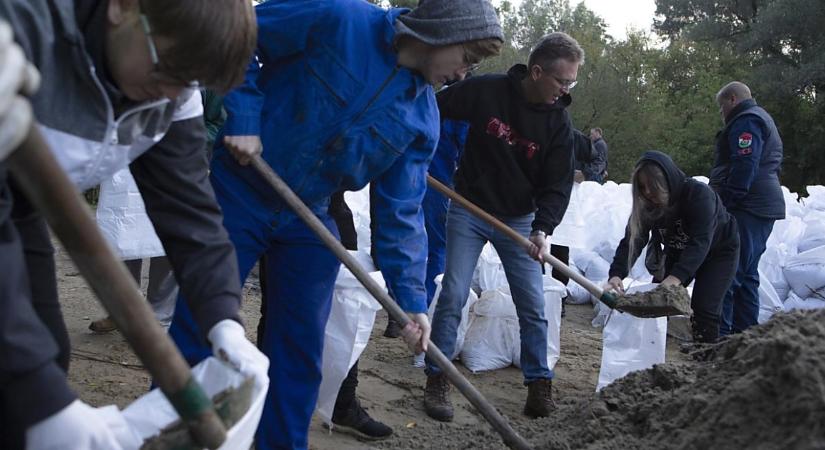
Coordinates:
(517, 73)
(673, 174)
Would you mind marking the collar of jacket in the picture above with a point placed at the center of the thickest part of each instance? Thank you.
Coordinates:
(516, 74)
(742, 106)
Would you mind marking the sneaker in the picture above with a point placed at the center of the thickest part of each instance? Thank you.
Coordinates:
(437, 398)
(393, 329)
(539, 399)
(355, 420)
(104, 325)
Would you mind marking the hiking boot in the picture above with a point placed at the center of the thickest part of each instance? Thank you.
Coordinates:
(437, 398)
(355, 420)
(539, 399)
(104, 325)
(393, 328)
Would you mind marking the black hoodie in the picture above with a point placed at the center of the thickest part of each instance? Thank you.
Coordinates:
(695, 224)
(518, 157)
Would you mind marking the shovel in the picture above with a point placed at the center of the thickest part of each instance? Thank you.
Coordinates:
(660, 302)
(511, 438)
(46, 185)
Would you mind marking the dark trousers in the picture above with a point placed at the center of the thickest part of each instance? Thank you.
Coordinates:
(342, 216)
(741, 304)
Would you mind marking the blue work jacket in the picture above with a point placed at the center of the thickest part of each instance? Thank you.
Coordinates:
(335, 111)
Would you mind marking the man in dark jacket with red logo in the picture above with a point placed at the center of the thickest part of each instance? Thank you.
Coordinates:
(517, 165)
(746, 177)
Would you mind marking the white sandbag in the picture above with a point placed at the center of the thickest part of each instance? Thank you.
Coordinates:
(805, 272)
(814, 232)
(577, 295)
(631, 343)
(794, 302)
(464, 325)
(793, 208)
(572, 230)
(493, 333)
(815, 199)
(121, 216)
(553, 293)
(152, 412)
(490, 270)
(771, 265)
(359, 203)
(348, 330)
(787, 232)
(769, 301)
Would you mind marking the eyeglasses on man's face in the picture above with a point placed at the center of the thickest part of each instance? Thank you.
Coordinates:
(565, 84)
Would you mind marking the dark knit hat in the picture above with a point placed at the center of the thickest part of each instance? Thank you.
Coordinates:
(446, 22)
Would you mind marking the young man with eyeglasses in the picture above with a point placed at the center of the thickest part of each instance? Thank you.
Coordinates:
(517, 165)
(339, 95)
(115, 93)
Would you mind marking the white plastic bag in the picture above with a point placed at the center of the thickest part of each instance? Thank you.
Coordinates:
(769, 301)
(490, 271)
(814, 235)
(121, 216)
(805, 272)
(152, 412)
(771, 267)
(794, 302)
(631, 343)
(493, 333)
(347, 332)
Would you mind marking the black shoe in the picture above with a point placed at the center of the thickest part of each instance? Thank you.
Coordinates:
(355, 420)
(393, 329)
(437, 398)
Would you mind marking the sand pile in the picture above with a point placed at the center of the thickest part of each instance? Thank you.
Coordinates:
(761, 389)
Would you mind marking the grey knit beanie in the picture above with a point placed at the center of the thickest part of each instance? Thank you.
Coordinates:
(446, 22)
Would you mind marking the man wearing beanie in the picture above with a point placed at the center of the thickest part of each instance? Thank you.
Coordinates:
(339, 94)
(517, 165)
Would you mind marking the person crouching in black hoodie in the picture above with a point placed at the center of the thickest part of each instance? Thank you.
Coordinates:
(700, 238)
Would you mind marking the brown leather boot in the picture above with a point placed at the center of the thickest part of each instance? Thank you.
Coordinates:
(104, 325)
(539, 399)
(437, 398)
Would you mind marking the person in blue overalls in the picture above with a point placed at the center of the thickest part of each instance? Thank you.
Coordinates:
(340, 94)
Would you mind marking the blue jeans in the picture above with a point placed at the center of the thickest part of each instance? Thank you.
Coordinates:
(301, 274)
(466, 236)
(740, 309)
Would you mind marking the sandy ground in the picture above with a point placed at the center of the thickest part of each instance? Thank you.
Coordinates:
(105, 371)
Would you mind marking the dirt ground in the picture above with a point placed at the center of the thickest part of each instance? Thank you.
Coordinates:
(105, 371)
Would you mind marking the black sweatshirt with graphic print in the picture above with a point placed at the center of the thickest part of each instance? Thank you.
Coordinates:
(518, 157)
(694, 224)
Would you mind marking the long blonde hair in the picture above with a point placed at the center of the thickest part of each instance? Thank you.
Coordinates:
(644, 213)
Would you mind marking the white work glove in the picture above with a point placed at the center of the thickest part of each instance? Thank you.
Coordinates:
(230, 344)
(539, 240)
(417, 332)
(80, 426)
(16, 76)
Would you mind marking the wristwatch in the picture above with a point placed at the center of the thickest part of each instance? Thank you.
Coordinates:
(538, 233)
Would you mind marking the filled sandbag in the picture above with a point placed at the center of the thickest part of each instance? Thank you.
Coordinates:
(805, 273)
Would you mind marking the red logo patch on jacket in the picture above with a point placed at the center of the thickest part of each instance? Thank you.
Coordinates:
(502, 131)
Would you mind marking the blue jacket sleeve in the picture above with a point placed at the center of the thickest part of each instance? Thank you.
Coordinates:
(400, 240)
(745, 142)
(284, 28)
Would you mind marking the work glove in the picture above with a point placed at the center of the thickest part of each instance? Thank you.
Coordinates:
(243, 148)
(615, 284)
(79, 426)
(16, 76)
(229, 343)
(417, 332)
(539, 240)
